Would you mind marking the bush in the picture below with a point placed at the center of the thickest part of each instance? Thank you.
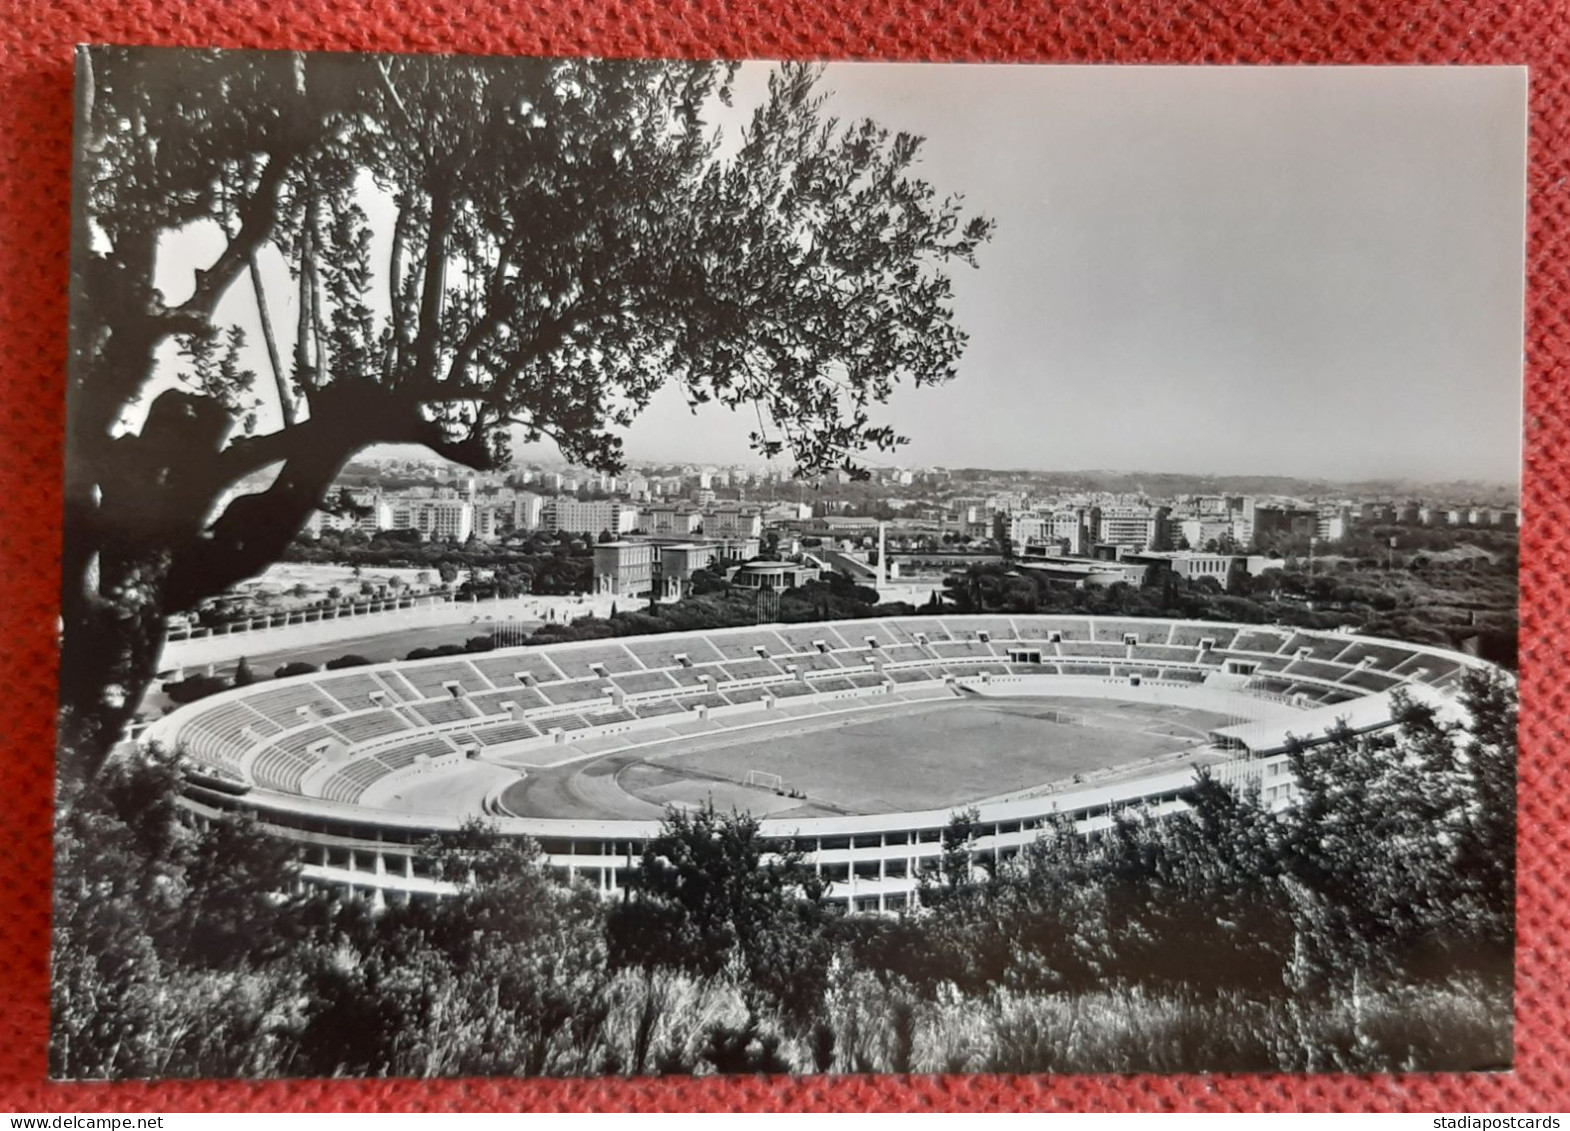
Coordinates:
(295, 667)
(195, 687)
(443, 650)
(349, 661)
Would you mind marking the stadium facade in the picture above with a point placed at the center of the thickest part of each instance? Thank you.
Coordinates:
(361, 767)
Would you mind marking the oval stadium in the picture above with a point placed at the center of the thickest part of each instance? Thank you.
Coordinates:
(857, 739)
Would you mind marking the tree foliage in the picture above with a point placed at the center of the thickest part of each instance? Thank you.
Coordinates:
(448, 252)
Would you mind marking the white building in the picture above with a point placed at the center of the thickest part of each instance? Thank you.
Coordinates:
(577, 516)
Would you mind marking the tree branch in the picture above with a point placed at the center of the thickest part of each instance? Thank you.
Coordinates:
(285, 401)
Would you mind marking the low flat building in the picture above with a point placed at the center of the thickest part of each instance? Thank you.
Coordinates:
(1081, 573)
(773, 575)
(1192, 565)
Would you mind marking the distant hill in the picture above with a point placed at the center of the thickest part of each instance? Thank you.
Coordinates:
(1163, 484)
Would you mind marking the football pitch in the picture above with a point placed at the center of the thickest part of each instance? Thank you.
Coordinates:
(911, 757)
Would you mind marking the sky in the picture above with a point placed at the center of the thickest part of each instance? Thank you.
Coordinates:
(1302, 271)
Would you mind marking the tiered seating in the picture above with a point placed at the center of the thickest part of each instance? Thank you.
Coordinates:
(1270, 685)
(218, 734)
(1370, 680)
(662, 652)
(1194, 633)
(1070, 629)
(1318, 647)
(1385, 657)
(296, 742)
(506, 732)
(349, 782)
(578, 691)
(661, 707)
(790, 689)
(750, 669)
(640, 683)
(1147, 632)
(503, 669)
(1079, 649)
(1315, 669)
(1433, 668)
(524, 698)
(799, 641)
(406, 753)
(1147, 671)
(998, 628)
(830, 683)
(857, 633)
(282, 705)
(1164, 654)
(955, 649)
(745, 645)
(814, 662)
(754, 694)
(353, 691)
(268, 737)
(580, 662)
(279, 769)
(453, 709)
(1257, 640)
(431, 679)
(399, 686)
(933, 630)
(372, 724)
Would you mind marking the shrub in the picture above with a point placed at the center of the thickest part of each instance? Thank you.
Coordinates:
(350, 661)
(195, 687)
(294, 667)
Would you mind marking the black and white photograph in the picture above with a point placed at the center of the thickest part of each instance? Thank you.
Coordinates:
(582, 568)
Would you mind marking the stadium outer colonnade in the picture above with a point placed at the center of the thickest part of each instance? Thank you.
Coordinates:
(309, 756)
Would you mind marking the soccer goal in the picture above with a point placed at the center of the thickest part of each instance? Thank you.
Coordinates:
(762, 779)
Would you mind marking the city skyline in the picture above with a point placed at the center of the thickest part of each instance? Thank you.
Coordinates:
(542, 456)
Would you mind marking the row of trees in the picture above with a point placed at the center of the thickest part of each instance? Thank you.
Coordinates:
(1368, 927)
(1445, 606)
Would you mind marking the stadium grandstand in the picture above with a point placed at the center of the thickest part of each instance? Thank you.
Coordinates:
(581, 746)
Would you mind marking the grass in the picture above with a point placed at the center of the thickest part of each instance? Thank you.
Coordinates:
(925, 756)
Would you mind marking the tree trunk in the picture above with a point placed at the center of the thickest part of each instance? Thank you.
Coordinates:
(142, 541)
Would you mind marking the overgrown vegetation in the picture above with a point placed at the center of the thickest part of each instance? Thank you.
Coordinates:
(1368, 927)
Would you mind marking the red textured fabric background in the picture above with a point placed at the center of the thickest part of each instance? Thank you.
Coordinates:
(36, 39)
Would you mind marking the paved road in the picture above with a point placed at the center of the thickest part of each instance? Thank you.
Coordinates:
(382, 646)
